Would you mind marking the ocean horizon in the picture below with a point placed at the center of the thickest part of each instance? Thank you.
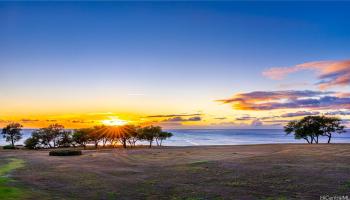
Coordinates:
(201, 137)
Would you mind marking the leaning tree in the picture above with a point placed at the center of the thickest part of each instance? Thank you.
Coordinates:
(308, 128)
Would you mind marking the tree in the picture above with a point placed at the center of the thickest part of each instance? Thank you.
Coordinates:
(149, 133)
(294, 126)
(12, 133)
(126, 134)
(65, 139)
(313, 124)
(96, 134)
(82, 136)
(55, 131)
(308, 128)
(330, 125)
(162, 136)
(134, 136)
(50, 136)
(43, 136)
(311, 127)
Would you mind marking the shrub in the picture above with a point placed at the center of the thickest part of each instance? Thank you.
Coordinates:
(9, 147)
(31, 143)
(65, 153)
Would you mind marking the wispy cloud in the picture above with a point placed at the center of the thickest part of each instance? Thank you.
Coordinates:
(330, 73)
(29, 120)
(338, 113)
(270, 100)
(181, 119)
(300, 113)
(220, 118)
(173, 115)
(81, 121)
(244, 118)
(51, 120)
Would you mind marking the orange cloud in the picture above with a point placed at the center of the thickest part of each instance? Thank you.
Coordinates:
(330, 73)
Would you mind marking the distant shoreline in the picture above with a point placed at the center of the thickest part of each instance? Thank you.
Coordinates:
(213, 137)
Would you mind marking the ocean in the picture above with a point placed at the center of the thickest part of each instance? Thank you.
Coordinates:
(195, 137)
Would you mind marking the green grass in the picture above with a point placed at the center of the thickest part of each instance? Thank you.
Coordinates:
(12, 165)
(199, 162)
(9, 192)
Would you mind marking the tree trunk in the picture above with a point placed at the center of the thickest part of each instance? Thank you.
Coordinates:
(12, 142)
(316, 139)
(150, 143)
(124, 143)
(307, 140)
(329, 138)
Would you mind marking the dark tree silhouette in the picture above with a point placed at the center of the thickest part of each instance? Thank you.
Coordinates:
(330, 125)
(81, 136)
(162, 136)
(12, 133)
(311, 128)
(149, 133)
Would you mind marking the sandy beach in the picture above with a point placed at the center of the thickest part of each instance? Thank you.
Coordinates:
(275, 171)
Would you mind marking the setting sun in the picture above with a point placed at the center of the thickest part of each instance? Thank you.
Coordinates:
(114, 121)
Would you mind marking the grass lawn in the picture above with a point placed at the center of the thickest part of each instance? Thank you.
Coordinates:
(279, 171)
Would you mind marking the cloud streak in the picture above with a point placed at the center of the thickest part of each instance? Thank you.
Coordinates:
(29, 120)
(287, 99)
(330, 73)
(180, 119)
(300, 113)
(173, 115)
(338, 113)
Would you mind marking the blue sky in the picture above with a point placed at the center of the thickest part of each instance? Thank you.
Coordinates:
(88, 53)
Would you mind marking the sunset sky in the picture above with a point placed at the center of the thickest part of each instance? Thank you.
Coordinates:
(178, 65)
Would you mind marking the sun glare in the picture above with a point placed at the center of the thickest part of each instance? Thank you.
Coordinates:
(114, 121)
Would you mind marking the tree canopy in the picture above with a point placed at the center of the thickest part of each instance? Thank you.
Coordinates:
(310, 128)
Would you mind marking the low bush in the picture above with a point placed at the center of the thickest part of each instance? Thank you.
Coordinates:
(65, 153)
(31, 143)
(9, 147)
